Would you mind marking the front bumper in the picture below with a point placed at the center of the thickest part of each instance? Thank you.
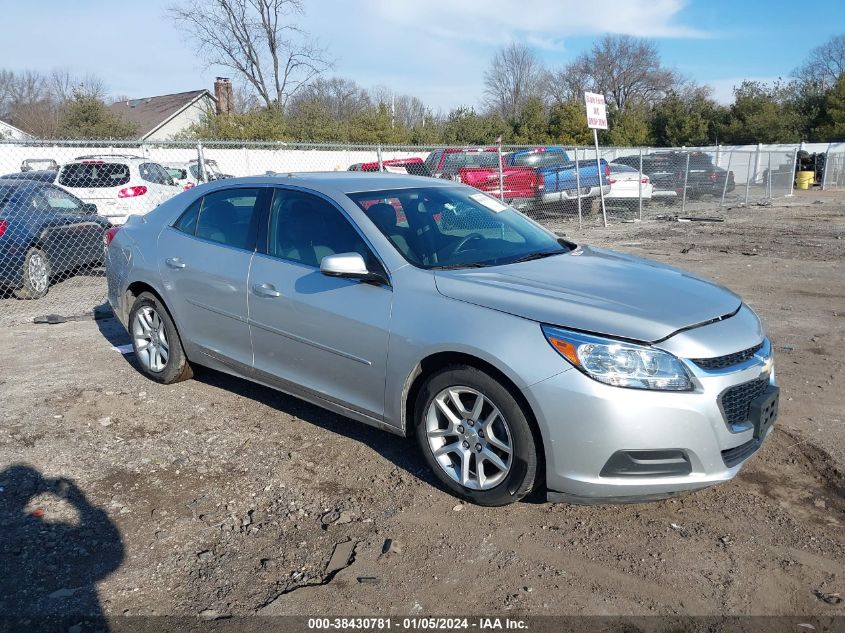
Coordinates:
(587, 426)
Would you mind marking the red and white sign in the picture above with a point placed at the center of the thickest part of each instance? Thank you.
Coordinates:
(596, 111)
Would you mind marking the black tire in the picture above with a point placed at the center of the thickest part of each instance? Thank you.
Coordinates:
(177, 368)
(522, 477)
(35, 286)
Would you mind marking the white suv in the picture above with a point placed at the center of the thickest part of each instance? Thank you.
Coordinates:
(119, 185)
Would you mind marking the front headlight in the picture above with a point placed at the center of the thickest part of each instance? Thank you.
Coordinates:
(618, 363)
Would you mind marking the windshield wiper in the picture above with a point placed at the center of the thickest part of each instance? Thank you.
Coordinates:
(533, 256)
(457, 266)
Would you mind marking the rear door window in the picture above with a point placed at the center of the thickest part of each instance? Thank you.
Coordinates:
(230, 217)
(550, 158)
(94, 175)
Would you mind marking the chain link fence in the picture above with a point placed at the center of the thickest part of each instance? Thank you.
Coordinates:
(59, 198)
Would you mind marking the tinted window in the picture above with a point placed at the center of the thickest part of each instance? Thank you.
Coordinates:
(94, 174)
(228, 217)
(305, 229)
(155, 173)
(550, 158)
(455, 160)
(436, 227)
(616, 168)
(187, 222)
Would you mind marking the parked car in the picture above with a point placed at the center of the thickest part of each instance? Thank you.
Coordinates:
(120, 185)
(516, 358)
(412, 165)
(41, 175)
(667, 170)
(39, 164)
(187, 174)
(539, 176)
(628, 184)
(46, 235)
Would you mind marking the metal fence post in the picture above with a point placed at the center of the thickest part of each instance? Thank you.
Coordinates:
(684, 199)
(727, 175)
(378, 154)
(601, 182)
(641, 184)
(748, 179)
(578, 186)
(826, 164)
(203, 177)
(792, 179)
(769, 178)
(501, 173)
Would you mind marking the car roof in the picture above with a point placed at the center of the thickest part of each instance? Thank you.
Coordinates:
(23, 182)
(342, 181)
(34, 174)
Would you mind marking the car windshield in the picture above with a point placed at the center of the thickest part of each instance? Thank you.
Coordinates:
(455, 227)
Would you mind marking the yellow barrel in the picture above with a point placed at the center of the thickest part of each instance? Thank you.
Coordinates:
(805, 179)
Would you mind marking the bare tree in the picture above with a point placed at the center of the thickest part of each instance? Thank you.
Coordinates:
(341, 97)
(824, 65)
(406, 110)
(627, 70)
(258, 40)
(513, 75)
(64, 86)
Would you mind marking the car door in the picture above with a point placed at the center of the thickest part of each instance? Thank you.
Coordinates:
(204, 260)
(321, 337)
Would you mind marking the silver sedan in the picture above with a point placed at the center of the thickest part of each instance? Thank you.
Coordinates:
(518, 359)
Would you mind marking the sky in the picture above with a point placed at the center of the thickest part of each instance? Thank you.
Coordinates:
(434, 49)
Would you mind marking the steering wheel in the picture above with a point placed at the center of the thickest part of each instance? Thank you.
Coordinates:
(460, 245)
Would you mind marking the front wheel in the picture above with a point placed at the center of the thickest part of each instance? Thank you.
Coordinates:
(156, 342)
(476, 437)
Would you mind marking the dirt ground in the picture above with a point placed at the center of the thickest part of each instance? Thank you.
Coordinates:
(219, 497)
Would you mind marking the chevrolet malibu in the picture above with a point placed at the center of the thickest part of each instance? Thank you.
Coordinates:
(519, 360)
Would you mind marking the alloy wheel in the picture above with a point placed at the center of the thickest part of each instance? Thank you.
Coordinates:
(149, 337)
(469, 438)
(39, 276)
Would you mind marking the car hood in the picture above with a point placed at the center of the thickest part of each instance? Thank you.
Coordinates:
(595, 290)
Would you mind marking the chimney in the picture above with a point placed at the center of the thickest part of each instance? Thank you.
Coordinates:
(223, 94)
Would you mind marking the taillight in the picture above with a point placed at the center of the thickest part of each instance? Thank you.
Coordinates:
(644, 180)
(714, 176)
(187, 186)
(108, 236)
(607, 171)
(3, 226)
(610, 181)
(132, 192)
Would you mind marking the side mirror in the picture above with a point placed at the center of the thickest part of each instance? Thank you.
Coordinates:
(349, 265)
(90, 208)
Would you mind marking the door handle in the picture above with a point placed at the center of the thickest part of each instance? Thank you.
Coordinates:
(174, 262)
(266, 290)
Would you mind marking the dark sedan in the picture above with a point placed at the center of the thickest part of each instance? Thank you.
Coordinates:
(46, 235)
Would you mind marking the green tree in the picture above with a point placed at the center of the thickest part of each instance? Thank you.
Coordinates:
(256, 125)
(761, 114)
(464, 126)
(833, 127)
(568, 124)
(88, 117)
(531, 125)
(686, 119)
(628, 127)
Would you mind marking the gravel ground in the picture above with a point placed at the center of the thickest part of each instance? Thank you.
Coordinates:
(220, 497)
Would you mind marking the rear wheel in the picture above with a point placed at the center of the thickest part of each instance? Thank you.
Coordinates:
(35, 275)
(476, 437)
(156, 342)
